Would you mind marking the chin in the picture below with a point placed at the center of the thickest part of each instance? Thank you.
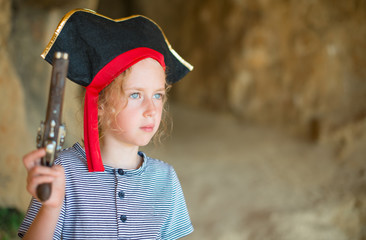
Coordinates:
(144, 143)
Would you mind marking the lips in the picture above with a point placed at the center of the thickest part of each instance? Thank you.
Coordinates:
(148, 128)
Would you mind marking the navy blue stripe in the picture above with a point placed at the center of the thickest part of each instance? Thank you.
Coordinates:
(152, 206)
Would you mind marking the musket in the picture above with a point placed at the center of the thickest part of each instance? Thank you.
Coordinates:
(51, 133)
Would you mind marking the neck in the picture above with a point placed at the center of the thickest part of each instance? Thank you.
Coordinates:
(119, 155)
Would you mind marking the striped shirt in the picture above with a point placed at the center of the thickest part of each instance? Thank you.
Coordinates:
(145, 203)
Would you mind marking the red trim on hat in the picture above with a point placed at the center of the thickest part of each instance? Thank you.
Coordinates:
(103, 78)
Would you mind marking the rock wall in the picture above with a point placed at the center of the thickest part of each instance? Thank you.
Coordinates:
(294, 64)
(291, 65)
(26, 28)
(14, 135)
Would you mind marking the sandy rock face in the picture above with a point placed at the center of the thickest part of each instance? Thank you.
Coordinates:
(297, 66)
(245, 182)
(294, 64)
(24, 85)
(14, 135)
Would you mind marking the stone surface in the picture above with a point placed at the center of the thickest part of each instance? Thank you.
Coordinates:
(245, 182)
(263, 69)
(24, 83)
(294, 64)
(15, 139)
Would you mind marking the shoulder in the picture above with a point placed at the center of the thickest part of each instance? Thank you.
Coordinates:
(72, 158)
(157, 166)
(160, 173)
(153, 162)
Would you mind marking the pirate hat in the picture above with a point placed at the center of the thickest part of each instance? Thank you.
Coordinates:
(101, 48)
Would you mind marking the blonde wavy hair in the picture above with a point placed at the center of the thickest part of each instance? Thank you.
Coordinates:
(108, 111)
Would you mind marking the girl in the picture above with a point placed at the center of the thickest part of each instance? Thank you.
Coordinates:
(110, 190)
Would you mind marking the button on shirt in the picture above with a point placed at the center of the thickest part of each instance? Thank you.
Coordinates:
(120, 171)
(145, 203)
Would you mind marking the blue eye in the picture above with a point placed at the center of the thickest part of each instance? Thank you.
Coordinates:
(135, 95)
(158, 96)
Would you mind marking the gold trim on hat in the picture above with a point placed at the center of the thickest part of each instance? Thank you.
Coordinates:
(69, 14)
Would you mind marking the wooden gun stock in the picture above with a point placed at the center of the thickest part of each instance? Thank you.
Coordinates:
(51, 133)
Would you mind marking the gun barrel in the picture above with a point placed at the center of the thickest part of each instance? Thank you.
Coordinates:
(51, 133)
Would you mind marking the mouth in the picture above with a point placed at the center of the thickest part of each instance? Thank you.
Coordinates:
(148, 128)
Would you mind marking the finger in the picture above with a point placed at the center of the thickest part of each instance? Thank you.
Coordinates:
(49, 174)
(43, 170)
(31, 159)
(58, 184)
(39, 172)
(59, 175)
(34, 182)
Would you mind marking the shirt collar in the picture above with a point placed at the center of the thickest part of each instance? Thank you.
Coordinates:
(108, 169)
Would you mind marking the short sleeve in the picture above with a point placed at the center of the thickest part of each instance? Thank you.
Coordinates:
(31, 214)
(32, 211)
(178, 223)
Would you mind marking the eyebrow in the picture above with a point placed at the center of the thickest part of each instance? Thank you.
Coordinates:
(142, 89)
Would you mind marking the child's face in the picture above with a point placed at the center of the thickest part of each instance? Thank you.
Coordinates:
(142, 105)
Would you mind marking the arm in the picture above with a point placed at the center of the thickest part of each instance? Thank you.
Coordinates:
(44, 224)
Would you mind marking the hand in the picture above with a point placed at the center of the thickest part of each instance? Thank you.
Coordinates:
(38, 174)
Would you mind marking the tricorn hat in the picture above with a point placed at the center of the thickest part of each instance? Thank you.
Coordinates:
(101, 48)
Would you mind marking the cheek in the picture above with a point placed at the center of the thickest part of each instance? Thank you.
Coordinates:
(123, 118)
(159, 110)
(159, 115)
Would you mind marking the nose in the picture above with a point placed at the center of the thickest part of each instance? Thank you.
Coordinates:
(150, 108)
